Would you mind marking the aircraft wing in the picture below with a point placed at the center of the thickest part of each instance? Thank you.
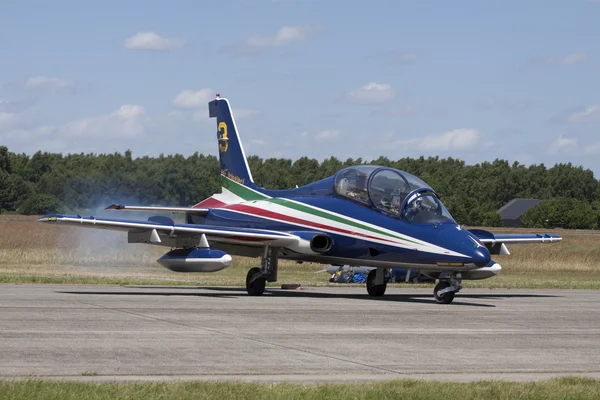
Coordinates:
(496, 242)
(161, 229)
(158, 209)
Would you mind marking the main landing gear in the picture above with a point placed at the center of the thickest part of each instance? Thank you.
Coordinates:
(377, 282)
(445, 290)
(257, 278)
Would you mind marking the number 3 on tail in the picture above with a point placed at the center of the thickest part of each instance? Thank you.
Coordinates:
(223, 139)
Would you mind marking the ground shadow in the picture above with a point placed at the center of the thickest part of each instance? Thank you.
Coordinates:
(234, 292)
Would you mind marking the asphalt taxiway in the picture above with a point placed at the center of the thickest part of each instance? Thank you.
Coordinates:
(97, 332)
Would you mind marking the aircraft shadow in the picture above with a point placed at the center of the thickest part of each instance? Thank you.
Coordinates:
(225, 292)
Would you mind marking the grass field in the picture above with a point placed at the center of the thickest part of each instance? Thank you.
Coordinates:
(563, 388)
(32, 252)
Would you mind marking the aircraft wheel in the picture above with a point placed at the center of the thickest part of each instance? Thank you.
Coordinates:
(256, 288)
(445, 298)
(373, 289)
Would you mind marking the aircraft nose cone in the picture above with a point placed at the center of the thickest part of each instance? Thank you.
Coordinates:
(481, 257)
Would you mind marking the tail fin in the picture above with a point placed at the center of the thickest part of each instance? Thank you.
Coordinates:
(231, 153)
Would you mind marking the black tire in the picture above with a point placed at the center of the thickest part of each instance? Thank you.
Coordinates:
(256, 288)
(445, 298)
(372, 289)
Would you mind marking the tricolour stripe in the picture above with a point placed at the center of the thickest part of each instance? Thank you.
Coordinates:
(296, 221)
(248, 194)
(240, 190)
(329, 221)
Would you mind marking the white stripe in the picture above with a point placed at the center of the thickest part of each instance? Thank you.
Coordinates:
(375, 237)
(342, 216)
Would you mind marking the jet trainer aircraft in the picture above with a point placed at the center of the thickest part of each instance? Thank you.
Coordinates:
(364, 215)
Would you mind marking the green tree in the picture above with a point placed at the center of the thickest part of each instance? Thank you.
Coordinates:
(40, 204)
(561, 212)
(4, 160)
(492, 218)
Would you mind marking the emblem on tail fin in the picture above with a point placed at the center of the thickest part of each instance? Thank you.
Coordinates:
(223, 139)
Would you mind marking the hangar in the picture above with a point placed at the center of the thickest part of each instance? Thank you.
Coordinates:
(512, 211)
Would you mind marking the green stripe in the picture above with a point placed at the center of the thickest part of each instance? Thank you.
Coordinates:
(249, 195)
(241, 190)
(320, 213)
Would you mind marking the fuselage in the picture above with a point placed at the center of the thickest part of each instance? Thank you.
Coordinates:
(361, 233)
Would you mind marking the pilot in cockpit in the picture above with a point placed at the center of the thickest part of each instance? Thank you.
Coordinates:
(355, 187)
(414, 208)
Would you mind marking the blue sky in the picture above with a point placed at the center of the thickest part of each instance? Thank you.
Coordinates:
(476, 80)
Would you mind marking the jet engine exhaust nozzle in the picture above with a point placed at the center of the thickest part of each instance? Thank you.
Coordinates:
(321, 243)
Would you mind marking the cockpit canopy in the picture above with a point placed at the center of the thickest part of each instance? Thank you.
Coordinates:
(386, 189)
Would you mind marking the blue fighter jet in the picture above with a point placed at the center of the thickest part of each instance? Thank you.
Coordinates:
(365, 215)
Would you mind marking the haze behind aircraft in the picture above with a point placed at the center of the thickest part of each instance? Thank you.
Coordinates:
(364, 215)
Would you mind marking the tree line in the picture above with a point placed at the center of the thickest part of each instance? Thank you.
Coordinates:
(53, 182)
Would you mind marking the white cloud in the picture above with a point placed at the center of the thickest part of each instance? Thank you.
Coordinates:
(152, 41)
(327, 135)
(49, 83)
(563, 144)
(33, 135)
(589, 113)
(126, 122)
(284, 37)
(457, 139)
(569, 59)
(371, 93)
(191, 99)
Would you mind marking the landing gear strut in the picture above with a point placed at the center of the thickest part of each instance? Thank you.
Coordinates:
(257, 278)
(446, 289)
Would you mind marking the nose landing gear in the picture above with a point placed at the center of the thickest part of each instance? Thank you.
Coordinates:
(445, 290)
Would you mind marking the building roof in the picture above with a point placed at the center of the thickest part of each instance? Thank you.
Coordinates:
(515, 208)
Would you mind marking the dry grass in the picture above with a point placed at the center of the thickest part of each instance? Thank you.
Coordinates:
(573, 262)
(36, 252)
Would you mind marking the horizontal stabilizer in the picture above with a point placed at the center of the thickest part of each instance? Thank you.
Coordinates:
(487, 237)
(160, 209)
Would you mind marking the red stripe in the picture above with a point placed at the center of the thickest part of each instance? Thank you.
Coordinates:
(209, 203)
(294, 220)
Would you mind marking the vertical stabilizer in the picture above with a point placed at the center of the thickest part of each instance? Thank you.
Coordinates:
(231, 153)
